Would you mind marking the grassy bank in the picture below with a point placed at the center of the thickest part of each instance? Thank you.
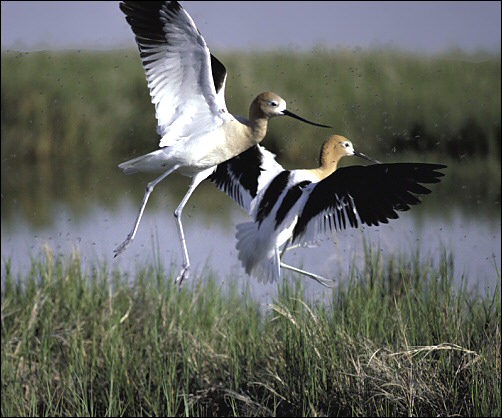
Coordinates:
(398, 339)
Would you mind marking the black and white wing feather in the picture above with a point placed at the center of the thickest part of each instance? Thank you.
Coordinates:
(186, 82)
(362, 195)
(243, 176)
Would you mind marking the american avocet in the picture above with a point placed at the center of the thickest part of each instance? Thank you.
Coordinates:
(187, 85)
(297, 207)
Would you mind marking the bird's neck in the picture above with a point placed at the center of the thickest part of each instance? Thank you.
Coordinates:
(324, 170)
(258, 129)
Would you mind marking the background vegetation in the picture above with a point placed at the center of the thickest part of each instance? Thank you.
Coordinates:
(387, 102)
(69, 118)
(398, 339)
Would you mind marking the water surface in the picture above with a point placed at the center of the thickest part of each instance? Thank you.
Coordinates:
(209, 220)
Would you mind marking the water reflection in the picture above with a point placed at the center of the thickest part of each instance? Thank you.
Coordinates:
(35, 191)
(93, 213)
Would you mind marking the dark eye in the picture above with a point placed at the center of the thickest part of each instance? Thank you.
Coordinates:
(273, 103)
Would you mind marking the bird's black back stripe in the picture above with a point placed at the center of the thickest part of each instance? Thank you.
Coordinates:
(244, 170)
(274, 190)
(289, 200)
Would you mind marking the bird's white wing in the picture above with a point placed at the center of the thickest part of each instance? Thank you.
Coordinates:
(187, 92)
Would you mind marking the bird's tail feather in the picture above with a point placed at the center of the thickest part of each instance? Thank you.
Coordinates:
(154, 161)
(256, 257)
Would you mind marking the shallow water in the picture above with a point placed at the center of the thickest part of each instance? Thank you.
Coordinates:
(474, 243)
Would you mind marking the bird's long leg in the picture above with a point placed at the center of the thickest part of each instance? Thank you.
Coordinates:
(149, 189)
(197, 179)
(286, 248)
(316, 277)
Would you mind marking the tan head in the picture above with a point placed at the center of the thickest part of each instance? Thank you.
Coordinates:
(268, 104)
(333, 150)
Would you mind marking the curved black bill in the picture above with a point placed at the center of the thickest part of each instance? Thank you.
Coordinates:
(291, 114)
(360, 154)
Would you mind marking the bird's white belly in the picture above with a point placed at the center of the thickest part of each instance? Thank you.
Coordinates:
(201, 153)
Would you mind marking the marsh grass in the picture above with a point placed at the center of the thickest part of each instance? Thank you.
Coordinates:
(397, 339)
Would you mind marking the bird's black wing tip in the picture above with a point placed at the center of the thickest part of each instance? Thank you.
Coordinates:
(129, 7)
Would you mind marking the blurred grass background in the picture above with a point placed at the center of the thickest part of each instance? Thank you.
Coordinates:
(388, 102)
(70, 117)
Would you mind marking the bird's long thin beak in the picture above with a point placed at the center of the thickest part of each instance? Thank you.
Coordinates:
(360, 154)
(292, 115)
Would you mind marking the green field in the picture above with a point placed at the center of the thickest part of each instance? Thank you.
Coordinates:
(398, 339)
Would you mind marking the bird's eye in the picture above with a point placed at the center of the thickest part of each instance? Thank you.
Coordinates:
(273, 103)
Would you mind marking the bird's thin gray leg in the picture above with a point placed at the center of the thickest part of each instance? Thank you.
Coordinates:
(197, 179)
(149, 189)
(316, 277)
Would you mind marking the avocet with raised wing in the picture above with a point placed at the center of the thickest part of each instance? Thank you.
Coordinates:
(187, 86)
(297, 207)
